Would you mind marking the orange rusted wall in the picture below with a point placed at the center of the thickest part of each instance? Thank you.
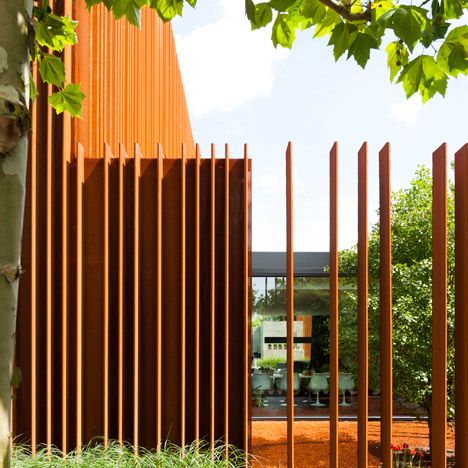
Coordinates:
(132, 81)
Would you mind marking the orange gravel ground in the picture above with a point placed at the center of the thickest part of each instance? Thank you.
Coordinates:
(312, 447)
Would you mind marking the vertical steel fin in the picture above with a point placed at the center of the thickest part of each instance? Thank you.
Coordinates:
(386, 396)
(362, 309)
(334, 331)
(290, 305)
(439, 307)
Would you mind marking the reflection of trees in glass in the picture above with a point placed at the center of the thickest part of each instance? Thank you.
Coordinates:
(310, 297)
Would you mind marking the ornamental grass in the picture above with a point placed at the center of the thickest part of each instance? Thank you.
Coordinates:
(115, 455)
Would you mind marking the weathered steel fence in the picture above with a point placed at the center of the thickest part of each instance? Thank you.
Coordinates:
(134, 319)
(133, 322)
(439, 307)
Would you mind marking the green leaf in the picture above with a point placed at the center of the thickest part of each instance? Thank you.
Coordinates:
(424, 75)
(397, 57)
(91, 3)
(281, 5)
(262, 15)
(283, 32)
(452, 9)
(408, 23)
(55, 32)
(249, 9)
(168, 9)
(360, 48)
(69, 99)
(16, 377)
(52, 70)
(315, 10)
(341, 38)
(453, 53)
(378, 9)
(192, 3)
(329, 22)
(296, 8)
(128, 8)
(33, 93)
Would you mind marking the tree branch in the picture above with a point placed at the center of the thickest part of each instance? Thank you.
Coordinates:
(345, 12)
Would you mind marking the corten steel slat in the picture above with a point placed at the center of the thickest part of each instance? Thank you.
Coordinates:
(66, 157)
(136, 296)
(64, 303)
(386, 380)
(79, 295)
(49, 253)
(461, 306)
(334, 330)
(112, 113)
(121, 285)
(159, 215)
(183, 216)
(212, 296)
(439, 306)
(33, 266)
(226, 296)
(246, 320)
(290, 305)
(107, 161)
(197, 294)
(362, 308)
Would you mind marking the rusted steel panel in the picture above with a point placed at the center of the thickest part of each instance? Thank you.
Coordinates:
(136, 295)
(362, 309)
(290, 305)
(461, 306)
(121, 292)
(439, 306)
(212, 295)
(148, 302)
(33, 269)
(197, 297)
(49, 278)
(238, 326)
(121, 106)
(65, 296)
(246, 305)
(334, 307)
(227, 219)
(386, 395)
(159, 294)
(106, 292)
(183, 259)
(171, 323)
(79, 296)
(117, 209)
(93, 299)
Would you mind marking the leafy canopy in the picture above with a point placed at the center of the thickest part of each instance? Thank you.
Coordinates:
(425, 43)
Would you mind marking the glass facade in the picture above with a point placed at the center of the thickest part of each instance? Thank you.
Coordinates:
(311, 340)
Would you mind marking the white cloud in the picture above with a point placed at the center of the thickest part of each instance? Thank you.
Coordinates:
(406, 112)
(224, 64)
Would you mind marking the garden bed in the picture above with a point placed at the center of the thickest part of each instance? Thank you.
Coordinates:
(312, 446)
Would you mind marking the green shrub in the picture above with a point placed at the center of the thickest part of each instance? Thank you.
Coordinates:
(269, 362)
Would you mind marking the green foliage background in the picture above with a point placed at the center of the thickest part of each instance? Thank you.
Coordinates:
(412, 296)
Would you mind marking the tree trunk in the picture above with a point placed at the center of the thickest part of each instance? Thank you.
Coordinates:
(428, 408)
(15, 29)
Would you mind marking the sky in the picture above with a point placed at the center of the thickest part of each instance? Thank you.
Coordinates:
(240, 89)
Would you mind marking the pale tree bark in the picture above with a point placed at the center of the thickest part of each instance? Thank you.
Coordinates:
(15, 29)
